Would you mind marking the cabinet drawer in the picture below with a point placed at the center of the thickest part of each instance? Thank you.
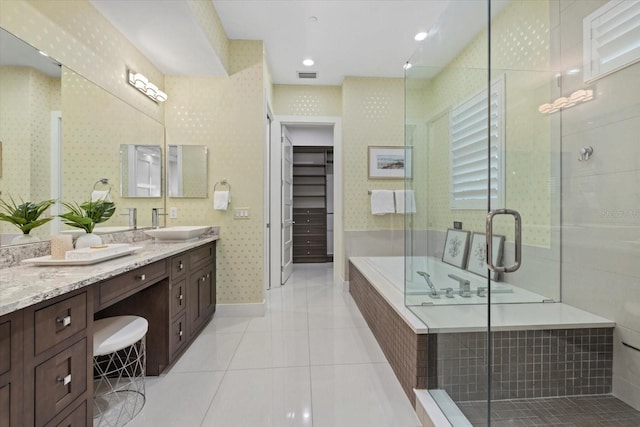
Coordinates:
(57, 322)
(178, 297)
(178, 267)
(77, 418)
(5, 405)
(205, 254)
(309, 219)
(178, 334)
(121, 286)
(59, 381)
(304, 230)
(310, 250)
(308, 211)
(303, 241)
(5, 346)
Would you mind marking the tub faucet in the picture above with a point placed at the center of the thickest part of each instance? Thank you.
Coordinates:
(155, 214)
(434, 291)
(133, 217)
(465, 285)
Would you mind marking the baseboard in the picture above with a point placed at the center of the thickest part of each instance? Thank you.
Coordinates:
(256, 309)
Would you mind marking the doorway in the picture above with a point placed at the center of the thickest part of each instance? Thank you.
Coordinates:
(301, 131)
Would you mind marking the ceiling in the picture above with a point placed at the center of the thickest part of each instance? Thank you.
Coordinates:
(371, 38)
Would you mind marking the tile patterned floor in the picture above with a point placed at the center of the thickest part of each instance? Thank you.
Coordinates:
(310, 361)
(581, 411)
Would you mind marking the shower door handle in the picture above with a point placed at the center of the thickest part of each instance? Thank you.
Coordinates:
(518, 237)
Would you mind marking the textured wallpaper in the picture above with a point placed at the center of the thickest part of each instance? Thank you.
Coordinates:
(227, 115)
(299, 100)
(95, 124)
(27, 98)
(206, 15)
(520, 51)
(76, 35)
(373, 115)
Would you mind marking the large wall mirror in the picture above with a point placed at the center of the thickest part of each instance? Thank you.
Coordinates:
(187, 174)
(62, 133)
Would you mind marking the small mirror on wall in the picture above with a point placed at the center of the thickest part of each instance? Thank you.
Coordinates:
(187, 171)
(140, 170)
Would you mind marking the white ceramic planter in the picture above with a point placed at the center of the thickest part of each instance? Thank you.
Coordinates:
(88, 239)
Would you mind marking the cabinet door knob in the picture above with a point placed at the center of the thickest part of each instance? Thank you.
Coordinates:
(180, 297)
(141, 277)
(308, 220)
(208, 275)
(203, 278)
(180, 333)
(64, 321)
(64, 380)
(180, 266)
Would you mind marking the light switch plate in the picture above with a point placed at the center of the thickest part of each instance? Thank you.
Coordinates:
(241, 213)
(173, 213)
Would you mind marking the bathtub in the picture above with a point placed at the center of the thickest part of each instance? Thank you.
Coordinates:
(418, 292)
(433, 330)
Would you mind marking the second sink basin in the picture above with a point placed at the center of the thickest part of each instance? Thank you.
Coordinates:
(178, 233)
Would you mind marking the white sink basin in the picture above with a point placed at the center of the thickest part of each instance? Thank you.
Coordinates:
(178, 233)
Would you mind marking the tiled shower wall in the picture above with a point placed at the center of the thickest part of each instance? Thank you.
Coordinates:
(601, 197)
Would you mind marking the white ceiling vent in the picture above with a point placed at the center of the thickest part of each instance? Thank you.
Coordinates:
(307, 74)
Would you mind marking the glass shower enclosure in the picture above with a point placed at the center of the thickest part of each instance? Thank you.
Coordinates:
(508, 104)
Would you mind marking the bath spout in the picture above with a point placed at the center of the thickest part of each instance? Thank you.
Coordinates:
(434, 291)
(465, 285)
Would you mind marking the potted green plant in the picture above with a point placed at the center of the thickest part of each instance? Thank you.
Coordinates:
(25, 216)
(86, 216)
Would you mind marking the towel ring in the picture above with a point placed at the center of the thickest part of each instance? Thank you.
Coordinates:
(222, 183)
(104, 181)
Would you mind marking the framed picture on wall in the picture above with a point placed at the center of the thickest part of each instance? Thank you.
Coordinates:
(389, 162)
(456, 247)
(478, 254)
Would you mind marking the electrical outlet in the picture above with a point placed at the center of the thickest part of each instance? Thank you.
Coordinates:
(173, 213)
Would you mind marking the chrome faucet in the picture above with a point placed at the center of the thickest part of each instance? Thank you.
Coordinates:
(434, 291)
(465, 285)
(133, 217)
(155, 214)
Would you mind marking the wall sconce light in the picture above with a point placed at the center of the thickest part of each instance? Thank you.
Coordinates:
(143, 84)
(564, 102)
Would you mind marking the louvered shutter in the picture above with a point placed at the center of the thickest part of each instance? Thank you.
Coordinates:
(469, 150)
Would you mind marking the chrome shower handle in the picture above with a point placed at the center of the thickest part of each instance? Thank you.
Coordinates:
(518, 236)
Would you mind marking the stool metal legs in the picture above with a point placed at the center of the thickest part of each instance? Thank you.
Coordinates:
(119, 391)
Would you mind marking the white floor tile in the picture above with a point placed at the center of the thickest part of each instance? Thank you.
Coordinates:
(272, 349)
(328, 295)
(344, 346)
(262, 397)
(335, 317)
(280, 320)
(359, 395)
(177, 399)
(209, 352)
(233, 325)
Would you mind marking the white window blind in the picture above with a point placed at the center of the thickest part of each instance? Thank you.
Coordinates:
(471, 154)
(611, 38)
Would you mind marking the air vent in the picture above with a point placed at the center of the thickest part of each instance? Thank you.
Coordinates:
(307, 75)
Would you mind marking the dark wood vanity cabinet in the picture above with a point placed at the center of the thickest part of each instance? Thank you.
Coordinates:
(11, 371)
(46, 350)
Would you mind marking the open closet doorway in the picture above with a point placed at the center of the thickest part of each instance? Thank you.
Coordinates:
(309, 188)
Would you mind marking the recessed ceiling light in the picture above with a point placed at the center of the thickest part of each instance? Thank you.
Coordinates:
(308, 62)
(313, 19)
(421, 36)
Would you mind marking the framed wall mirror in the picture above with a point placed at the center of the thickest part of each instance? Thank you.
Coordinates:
(187, 171)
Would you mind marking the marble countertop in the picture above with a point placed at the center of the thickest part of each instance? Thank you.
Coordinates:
(25, 285)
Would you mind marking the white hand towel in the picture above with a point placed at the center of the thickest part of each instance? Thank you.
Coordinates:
(405, 201)
(100, 195)
(382, 202)
(221, 200)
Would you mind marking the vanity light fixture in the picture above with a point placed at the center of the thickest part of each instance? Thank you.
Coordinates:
(565, 102)
(143, 84)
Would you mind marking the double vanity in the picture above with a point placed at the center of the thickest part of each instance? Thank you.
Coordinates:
(47, 314)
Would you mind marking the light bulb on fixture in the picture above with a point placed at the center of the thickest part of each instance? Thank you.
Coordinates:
(421, 36)
(161, 96)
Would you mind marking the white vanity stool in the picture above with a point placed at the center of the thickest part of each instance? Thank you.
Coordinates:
(119, 363)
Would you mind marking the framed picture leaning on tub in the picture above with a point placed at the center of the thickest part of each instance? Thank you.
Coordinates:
(456, 247)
